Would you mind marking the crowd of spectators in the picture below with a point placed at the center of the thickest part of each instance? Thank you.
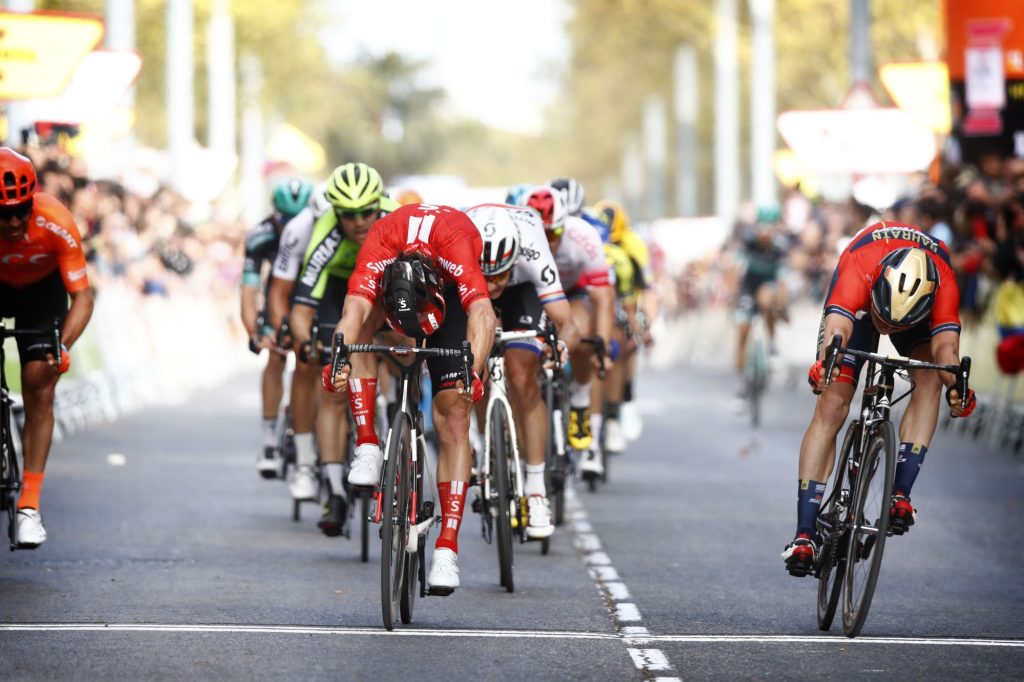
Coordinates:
(978, 211)
(148, 241)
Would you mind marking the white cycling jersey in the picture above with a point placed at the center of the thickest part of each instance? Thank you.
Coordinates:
(580, 256)
(296, 235)
(535, 263)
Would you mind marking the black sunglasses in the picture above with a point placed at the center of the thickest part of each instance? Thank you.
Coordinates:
(358, 213)
(20, 211)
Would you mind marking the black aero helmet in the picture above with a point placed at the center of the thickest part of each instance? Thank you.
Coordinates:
(413, 300)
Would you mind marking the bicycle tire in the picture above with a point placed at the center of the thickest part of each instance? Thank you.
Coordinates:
(410, 582)
(10, 477)
(832, 566)
(499, 457)
(394, 521)
(364, 524)
(872, 496)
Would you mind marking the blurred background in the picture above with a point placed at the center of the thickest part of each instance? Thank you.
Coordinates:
(163, 124)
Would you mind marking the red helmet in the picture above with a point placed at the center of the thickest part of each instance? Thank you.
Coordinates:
(17, 178)
(413, 300)
(548, 202)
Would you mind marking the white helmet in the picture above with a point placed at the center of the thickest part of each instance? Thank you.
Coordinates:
(572, 192)
(500, 236)
(318, 201)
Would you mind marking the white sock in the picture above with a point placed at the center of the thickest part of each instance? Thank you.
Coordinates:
(333, 473)
(534, 480)
(596, 421)
(305, 455)
(270, 432)
(579, 395)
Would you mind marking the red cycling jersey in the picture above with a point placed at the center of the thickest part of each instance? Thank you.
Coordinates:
(444, 234)
(51, 242)
(851, 285)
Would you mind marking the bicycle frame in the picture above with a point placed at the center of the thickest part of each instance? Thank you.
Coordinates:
(498, 399)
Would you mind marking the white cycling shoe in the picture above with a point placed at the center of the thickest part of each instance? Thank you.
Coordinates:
(31, 532)
(304, 484)
(592, 464)
(614, 440)
(632, 422)
(444, 572)
(538, 524)
(366, 466)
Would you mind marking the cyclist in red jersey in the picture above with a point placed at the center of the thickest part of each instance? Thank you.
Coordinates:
(41, 265)
(892, 279)
(419, 270)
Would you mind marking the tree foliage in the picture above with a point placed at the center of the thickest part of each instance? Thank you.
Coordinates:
(622, 52)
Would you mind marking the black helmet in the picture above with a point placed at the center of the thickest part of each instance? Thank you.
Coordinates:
(413, 300)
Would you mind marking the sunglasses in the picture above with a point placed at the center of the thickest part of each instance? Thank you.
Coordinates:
(499, 279)
(21, 211)
(359, 213)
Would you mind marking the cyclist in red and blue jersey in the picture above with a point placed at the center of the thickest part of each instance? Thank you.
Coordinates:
(896, 280)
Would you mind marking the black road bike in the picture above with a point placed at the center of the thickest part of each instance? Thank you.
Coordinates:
(854, 519)
(402, 509)
(10, 470)
(558, 464)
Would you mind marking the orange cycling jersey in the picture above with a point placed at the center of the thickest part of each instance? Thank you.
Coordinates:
(51, 242)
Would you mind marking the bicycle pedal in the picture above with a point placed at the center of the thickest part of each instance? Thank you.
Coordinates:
(440, 591)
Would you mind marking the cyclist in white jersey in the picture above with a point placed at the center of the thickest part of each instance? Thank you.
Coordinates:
(523, 283)
(579, 257)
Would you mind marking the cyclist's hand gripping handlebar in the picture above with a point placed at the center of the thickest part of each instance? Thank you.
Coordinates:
(833, 358)
(964, 395)
(334, 372)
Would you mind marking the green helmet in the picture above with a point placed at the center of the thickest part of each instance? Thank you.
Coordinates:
(768, 214)
(291, 196)
(353, 186)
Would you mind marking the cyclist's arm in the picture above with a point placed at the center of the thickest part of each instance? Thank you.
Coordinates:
(946, 351)
(604, 309)
(250, 305)
(300, 325)
(835, 323)
(77, 317)
(278, 295)
(560, 313)
(480, 332)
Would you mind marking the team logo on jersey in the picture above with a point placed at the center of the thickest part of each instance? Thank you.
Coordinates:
(547, 275)
(453, 269)
(530, 254)
(403, 304)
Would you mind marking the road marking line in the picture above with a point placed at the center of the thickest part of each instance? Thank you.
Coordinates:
(625, 615)
(298, 630)
(815, 639)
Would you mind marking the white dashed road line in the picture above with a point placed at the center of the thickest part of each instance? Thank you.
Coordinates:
(651, 662)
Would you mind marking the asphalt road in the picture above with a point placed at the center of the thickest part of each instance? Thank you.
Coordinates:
(181, 563)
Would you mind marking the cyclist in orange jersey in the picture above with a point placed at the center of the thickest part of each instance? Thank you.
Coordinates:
(41, 266)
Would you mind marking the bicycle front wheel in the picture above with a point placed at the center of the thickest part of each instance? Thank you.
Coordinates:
(831, 528)
(502, 495)
(10, 476)
(410, 578)
(364, 524)
(394, 520)
(869, 524)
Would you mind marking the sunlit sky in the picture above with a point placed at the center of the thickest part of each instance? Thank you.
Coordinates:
(494, 59)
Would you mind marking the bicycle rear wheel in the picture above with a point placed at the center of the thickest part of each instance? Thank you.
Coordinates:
(831, 528)
(869, 524)
(364, 524)
(503, 497)
(394, 520)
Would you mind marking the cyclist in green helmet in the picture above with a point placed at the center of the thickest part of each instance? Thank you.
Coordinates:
(261, 245)
(355, 193)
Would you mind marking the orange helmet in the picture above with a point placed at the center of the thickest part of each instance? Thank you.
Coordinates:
(409, 196)
(17, 178)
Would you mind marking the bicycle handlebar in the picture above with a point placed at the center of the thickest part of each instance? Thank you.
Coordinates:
(54, 330)
(835, 351)
(341, 351)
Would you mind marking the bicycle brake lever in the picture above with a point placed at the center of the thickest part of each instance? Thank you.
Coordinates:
(965, 371)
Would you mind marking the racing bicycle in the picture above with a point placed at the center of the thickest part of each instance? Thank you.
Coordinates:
(559, 465)
(402, 509)
(854, 518)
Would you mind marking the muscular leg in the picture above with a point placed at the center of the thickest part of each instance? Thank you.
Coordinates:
(818, 448)
(39, 383)
(451, 418)
(273, 385)
(530, 411)
(922, 413)
(332, 427)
